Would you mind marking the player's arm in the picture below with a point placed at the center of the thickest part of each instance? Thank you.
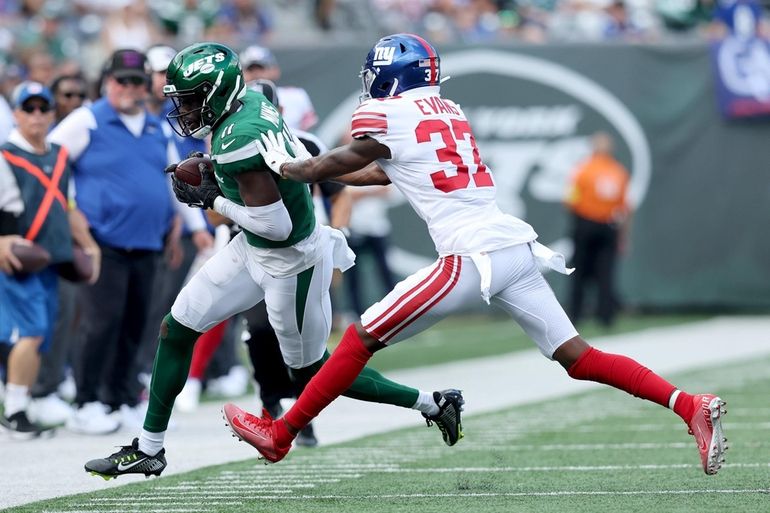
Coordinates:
(263, 212)
(370, 175)
(352, 157)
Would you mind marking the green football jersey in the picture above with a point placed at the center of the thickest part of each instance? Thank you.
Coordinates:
(234, 151)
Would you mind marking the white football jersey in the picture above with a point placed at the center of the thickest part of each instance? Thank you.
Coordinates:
(435, 163)
(296, 108)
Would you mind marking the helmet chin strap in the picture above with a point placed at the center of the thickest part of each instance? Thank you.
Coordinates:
(201, 133)
(394, 87)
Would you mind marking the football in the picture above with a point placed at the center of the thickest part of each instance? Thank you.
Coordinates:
(80, 269)
(188, 171)
(33, 258)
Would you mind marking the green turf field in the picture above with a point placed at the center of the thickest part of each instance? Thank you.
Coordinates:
(596, 452)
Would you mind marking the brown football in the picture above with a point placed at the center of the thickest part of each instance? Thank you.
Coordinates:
(80, 269)
(188, 171)
(33, 258)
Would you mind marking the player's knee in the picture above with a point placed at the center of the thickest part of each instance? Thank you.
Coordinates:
(369, 341)
(570, 351)
(175, 333)
(302, 376)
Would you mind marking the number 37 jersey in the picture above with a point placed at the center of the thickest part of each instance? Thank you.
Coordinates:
(436, 164)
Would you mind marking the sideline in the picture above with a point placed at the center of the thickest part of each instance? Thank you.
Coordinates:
(42, 469)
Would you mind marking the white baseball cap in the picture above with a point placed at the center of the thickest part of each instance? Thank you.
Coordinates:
(160, 57)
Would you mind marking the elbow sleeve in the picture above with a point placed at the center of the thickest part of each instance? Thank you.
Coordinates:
(269, 221)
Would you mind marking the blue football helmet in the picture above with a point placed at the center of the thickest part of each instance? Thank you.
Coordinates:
(397, 63)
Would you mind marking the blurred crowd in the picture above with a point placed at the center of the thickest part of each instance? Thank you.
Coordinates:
(38, 37)
(542, 21)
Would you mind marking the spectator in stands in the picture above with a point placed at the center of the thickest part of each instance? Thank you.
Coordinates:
(129, 25)
(600, 215)
(70, 92)
(118, 151)
(187, 21)
(243, 22)
(34, 179)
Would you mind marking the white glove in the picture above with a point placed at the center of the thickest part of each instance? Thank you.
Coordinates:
(298, 148)
(273, 150)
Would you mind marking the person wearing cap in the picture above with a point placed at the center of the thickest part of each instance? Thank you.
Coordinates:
(34, 180)
(298, 112)
(48, 406)
(170, 279)
(118, 151)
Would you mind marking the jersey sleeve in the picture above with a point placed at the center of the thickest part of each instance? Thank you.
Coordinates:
(238, 154)
(369, 119)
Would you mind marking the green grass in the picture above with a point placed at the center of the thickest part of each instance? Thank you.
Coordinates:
(597, 452)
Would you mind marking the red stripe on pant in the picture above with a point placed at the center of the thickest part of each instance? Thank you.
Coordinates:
(397, 304)
(410, 310)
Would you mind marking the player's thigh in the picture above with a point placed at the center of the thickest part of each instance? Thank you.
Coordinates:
(219, 290)
(421, 300)
(299, 310)
(528, 298)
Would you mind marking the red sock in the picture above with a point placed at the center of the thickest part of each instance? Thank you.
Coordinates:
(623, 373)
(204, 349)
(684, 407)
(335, 376)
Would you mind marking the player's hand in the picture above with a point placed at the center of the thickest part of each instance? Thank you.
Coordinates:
(202, 196)
(273, 150)
(299, 149)
(196, 155)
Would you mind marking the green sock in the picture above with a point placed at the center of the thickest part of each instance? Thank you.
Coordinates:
(369, 386)
(169, 372)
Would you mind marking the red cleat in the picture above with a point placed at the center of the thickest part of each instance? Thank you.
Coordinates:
(706, 426)
(255, 431)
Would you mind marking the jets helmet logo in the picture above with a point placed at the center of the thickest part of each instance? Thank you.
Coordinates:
(204, 65)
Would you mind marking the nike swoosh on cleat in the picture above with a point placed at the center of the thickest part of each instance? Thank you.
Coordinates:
(237, 423)
(123, 468)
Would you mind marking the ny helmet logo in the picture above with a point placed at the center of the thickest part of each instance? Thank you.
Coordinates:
(383, 55)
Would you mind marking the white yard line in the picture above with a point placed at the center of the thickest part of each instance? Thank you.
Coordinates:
(41, 469)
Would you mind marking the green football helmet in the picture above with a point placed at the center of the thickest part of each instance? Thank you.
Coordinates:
(203, 81)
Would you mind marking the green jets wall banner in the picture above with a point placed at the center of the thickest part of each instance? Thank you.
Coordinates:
(701, 184)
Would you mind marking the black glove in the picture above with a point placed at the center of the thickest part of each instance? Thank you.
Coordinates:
(202, 196)
(195, 154)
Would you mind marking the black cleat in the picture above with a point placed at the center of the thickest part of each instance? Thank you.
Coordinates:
(306, 437)
(128, 460)
(21, 428)
(450, 403)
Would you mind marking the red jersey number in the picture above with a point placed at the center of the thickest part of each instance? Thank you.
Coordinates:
(450, 135)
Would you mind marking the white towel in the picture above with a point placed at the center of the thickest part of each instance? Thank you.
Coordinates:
(547, 258)
(484, 265)
(343, 257)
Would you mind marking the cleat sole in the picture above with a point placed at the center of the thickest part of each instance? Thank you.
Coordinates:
(103, 476)
(718, 444)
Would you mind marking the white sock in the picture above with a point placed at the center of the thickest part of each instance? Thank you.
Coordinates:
(16, 399)
(151, 443)
(672, 399)
(426, 404)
